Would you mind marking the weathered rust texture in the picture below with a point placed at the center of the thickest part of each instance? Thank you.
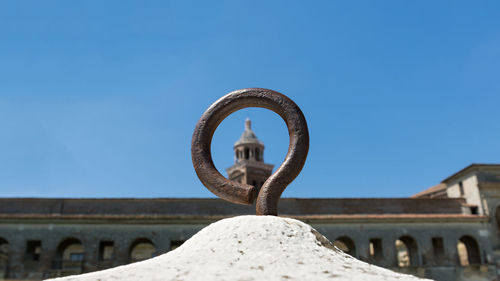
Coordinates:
(267, 199)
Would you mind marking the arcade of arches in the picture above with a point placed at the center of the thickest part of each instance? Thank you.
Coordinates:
(70, 254)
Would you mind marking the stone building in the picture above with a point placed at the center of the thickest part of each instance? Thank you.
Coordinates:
(447, 232)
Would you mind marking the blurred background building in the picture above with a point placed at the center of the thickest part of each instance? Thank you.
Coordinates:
(447, 232)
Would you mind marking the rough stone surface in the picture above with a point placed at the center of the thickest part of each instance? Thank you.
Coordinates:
(251, 248)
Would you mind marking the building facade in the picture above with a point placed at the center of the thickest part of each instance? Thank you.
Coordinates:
(447, 232)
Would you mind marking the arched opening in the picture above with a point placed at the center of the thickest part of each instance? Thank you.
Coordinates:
(406, 251)
(69, 256)
(174, 244)
(468, 251)
(4, 257)
(257, 154)
(345, 244)
(247, 153)
(497, 217)
(141, 249)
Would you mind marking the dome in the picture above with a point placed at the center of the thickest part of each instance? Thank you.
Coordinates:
(248, 136)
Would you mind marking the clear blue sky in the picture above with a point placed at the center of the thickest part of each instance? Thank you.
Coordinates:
(100, 98)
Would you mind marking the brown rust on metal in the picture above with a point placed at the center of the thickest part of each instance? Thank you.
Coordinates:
(267, 199)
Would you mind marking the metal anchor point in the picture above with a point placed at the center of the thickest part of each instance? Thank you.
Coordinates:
(240, 193)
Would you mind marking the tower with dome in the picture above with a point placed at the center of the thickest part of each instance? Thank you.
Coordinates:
(249, 166)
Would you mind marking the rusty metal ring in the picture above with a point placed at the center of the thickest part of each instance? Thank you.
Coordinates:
(267, 199)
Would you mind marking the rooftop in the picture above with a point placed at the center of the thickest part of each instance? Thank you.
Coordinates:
(473, 168)
(248, 136)
(219, 207)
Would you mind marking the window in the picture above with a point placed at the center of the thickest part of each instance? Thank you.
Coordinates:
(437, 248)
(461, 187)
(376, 248)
(174, 244)
(257, 154)
(247, 153)
(474, 210)
(33, 250)
(76, 256)
(106, 250)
